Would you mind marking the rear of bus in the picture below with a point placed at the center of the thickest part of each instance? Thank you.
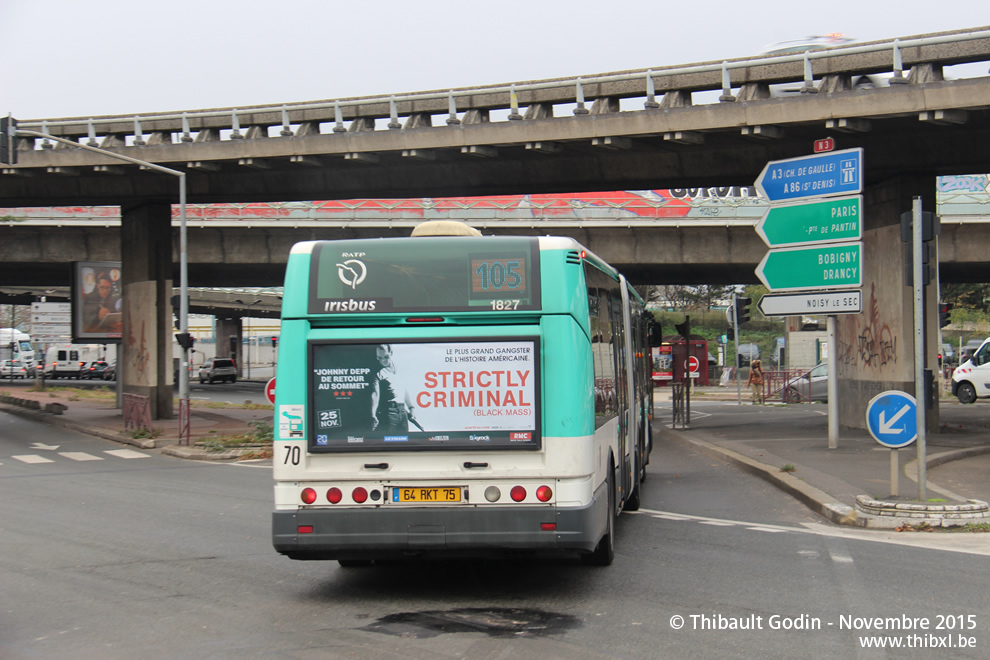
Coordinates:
(436, 397)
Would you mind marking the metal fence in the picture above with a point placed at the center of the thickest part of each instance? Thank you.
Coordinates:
(137, 412)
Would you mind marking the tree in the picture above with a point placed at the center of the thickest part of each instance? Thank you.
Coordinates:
(968, 296)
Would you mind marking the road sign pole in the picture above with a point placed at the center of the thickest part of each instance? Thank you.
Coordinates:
(833, 386)
(735, 346)
(895, 468)
(919, 349)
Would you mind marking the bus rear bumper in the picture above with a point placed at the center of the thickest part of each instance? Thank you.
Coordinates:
(379, 533)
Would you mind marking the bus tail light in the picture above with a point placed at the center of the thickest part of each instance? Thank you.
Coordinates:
(334, 495)
(304, 529)
(518, 493)
(548, 527)
(308, 495)
(359, 495)
(544, 493)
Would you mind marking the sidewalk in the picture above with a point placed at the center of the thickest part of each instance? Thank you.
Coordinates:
(852, 483)
(99, 417)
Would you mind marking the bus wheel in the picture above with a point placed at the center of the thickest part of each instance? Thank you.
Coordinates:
(632, 502)
(605, 551)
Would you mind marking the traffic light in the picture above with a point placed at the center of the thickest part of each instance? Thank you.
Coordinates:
(655, 330)
(185, 340)
(742, 309)
(943, 314)
(274, 342)
(8, 148)
(730, 334)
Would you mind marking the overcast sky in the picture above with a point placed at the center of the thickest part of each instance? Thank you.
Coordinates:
(67, 58)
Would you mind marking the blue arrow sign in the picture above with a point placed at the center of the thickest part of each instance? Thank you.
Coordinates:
(892, 419)
(820, 175)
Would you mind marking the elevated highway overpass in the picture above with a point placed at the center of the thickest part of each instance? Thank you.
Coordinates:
(680, 236)
(646, 129)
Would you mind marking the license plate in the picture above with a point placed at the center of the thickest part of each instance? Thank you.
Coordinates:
(426, 494)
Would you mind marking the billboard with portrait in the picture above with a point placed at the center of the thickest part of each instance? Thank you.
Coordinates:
(97, 299)
(412, 395)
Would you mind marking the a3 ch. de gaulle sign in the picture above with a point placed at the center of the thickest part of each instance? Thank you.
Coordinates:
(819, 175)
(816, 242)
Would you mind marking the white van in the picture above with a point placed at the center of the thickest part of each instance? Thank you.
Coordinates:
(971, 379)
(68, 360)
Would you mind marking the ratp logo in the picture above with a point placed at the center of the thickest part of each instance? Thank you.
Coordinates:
(352, 272)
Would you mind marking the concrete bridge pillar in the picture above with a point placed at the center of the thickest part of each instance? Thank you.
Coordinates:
(229, 341)
(145, 359)
(876, 348)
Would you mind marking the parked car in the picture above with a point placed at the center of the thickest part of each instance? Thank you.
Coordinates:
(971, 379)
(947, 355)
(94, 369)
(812, 386)
(746, 353)
(222, 369)
(12, 369)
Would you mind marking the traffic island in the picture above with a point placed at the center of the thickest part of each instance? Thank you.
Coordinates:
(892, 514)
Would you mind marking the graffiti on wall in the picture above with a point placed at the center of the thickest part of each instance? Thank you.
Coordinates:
(876, 345)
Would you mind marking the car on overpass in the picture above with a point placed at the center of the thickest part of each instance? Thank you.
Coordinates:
(820, 42)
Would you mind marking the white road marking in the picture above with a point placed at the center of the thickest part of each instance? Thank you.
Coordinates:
(80, 456)
(975, 544)
(126, 453)
(33, 458)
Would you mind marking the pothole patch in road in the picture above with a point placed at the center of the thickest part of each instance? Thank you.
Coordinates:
(494, 621)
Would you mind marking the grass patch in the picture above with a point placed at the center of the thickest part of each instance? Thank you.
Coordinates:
(261, 437)
(76, 393)
(788, 468)
(144, 433)
(970, 528)
(222, 404)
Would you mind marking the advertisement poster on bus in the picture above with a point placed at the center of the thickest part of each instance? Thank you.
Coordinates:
(477, 394)
(663, 362)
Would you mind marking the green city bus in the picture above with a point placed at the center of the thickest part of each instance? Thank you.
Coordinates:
(458, 396)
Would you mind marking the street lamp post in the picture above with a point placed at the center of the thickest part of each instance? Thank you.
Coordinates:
(183, 257)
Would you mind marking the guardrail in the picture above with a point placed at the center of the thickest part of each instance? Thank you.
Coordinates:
(749, 76)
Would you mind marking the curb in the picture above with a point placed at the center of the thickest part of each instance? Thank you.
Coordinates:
(890, 515)
(49, 418)
(200, 454)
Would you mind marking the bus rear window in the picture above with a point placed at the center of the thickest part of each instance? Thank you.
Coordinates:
(460, 394)
(443, 274)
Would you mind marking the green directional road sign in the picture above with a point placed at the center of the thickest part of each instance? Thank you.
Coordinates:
(827, 221)
(835, 266)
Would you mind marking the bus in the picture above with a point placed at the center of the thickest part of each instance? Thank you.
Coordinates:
(455, 396)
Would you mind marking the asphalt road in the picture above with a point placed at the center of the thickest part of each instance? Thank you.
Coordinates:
(108, 555)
